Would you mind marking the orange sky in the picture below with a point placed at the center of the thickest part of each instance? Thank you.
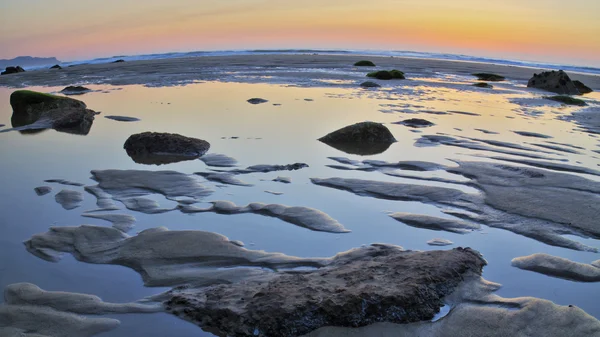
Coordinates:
(542, 30)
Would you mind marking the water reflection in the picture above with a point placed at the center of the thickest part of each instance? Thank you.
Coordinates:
(361, 149)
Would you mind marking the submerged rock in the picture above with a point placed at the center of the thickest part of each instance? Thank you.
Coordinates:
(162, 148)
(123, 118)
(387, 75)
(223, 177)
(415, 123)
(558, 267)
(439, 242)
(69, 199)
(75, 90)
(483, 85)
(118, 61)
(435, 223)
(532, 134)
(257, 100)
(12, 70)
(35, 110)
(218, 160)
(285, 180)
(369, 84)
(364, 63)
(42, 190)
(489, 77)
(583, 89)
(353, 290)
(63, 182)
(568, 100)
(363, 138)
(56, 66)
(122, 222)
(554, 81)
(268, 168)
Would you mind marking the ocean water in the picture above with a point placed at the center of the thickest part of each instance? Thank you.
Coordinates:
(282, 131)
(394, 53)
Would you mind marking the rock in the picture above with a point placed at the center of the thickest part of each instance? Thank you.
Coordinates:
(439, 242)
(568, 100)
(69, 199)
(118, 61)
(223, 177)
(532, 134)
(218, 160)
(554, 81)
(364, 63)
(56, 66)
(387, 75)
(483, 85)
(42, 190)
(63, 182)
(162, 148)
(353, 290)
(558, 267)
(122, 222)
(369, 84)
(75, 90)
(257, 100)
(12, 70)
(360, 138)
(415, 123)
(35, 110)
(123, 118)
(268, 168)
(435, 223)
(489, 77)
(285, 180)
(583, 89)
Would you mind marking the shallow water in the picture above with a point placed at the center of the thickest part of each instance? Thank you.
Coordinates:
(283, 134)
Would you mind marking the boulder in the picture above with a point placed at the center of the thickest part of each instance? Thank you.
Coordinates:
(554, 81)
(36, 110)
(162, 148)
(489, 77)
(12, 70)
(387, 75)
(583, 89)
(416, 123)
(361, 138)
(483, 85)
(369, 84)
(378, 283)
(364, 63)
(56, 66)
(75, 90)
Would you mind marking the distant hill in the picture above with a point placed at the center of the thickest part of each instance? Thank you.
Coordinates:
(29, 61)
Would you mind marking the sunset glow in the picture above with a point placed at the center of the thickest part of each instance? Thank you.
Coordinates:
(539, 30)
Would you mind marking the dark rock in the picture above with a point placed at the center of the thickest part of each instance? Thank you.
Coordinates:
(35, 110)
(415, 123)
(268, 168)
(553, 81)
(489, 77)
(566, 100)
(364, 63)
(483, 85)
(361, 138)
(162, 148)
(123, 118)
(42, 190)
(257, 100)
(378, 283)
(75, 90)
(56, 66)
(387, 75)
(583, 89)
(118, 61)
(12, 70)
(369, 84)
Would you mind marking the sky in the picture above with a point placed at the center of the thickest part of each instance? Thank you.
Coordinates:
(536, 30)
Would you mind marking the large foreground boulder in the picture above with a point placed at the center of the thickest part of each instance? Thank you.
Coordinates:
(378, 283)
(12, 70)
(554, 81)
(36, 110)
(361, 138)
(163, 148)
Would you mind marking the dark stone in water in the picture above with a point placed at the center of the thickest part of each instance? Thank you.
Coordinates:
(369, 84)
(567, 100)
(489, 77)
(12, 70)
(75, 90)
(363, 138)
(118, 61)
(162, 148)
(56, 66)
(257, 100)
(387, 75)
(123, 118)
(35, 110)
(554, 81)
(415, 123)
(42, 190)
(483, 85)
(364, 63)
(583, 89)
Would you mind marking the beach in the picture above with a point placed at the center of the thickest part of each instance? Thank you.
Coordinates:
(265, 214)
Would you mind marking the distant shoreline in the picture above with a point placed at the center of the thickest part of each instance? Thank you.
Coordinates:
(295, 69)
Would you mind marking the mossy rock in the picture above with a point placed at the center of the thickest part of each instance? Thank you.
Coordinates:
(387, 75)
(369, 84)
(364, 63)
(483, 85)
(489, 77)
(567, 100)
(34, 103)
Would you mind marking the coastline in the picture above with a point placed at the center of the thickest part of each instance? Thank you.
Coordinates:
(281, 68)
